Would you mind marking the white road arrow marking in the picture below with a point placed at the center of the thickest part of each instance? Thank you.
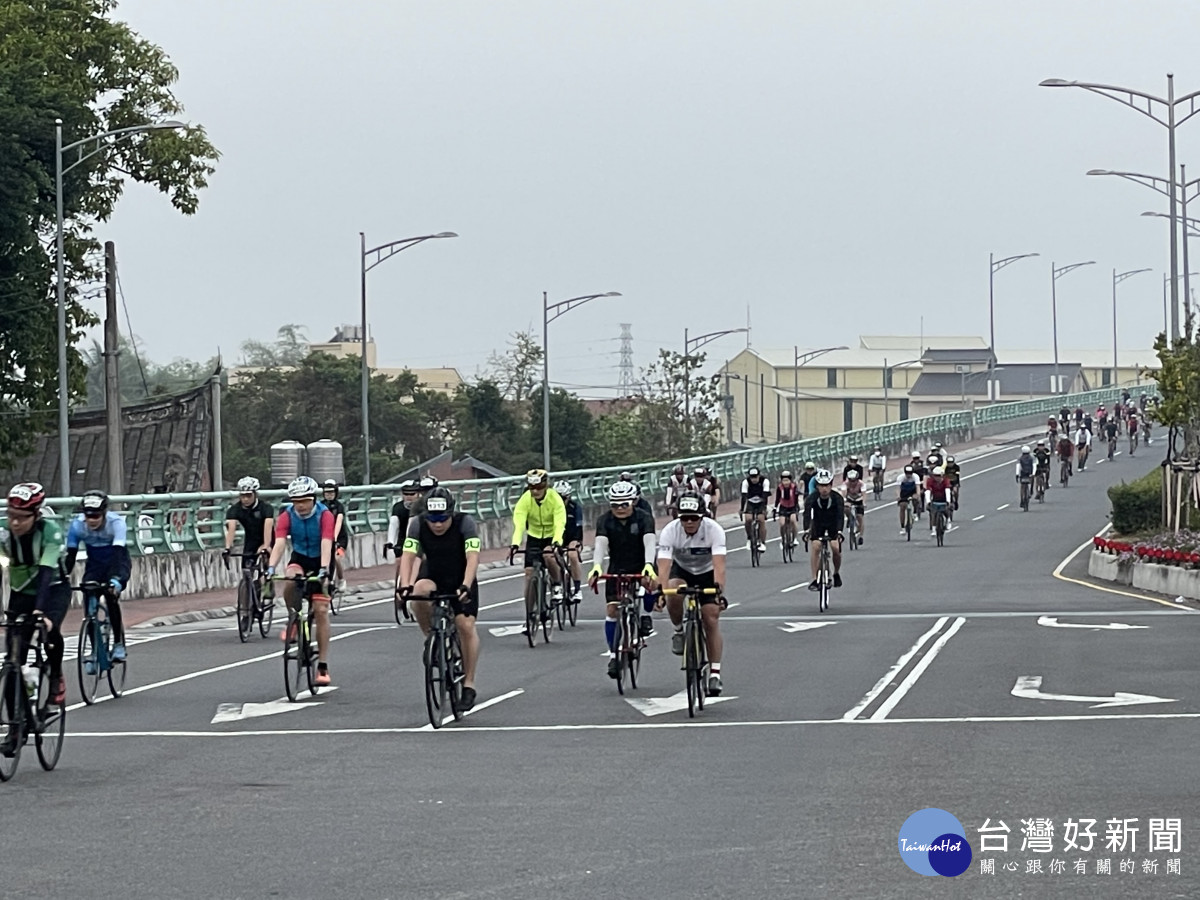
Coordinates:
(235, 712)
(1029, 687)
(507, 630)
(657, 706)
(793, 627)
(1052, 622)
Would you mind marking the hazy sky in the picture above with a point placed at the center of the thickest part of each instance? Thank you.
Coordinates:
(840, 167)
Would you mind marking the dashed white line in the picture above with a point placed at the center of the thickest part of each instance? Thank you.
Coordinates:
(977, 518)
(1005, 506)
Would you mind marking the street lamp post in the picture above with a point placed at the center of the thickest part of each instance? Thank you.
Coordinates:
(967, 376)
(381, 253)
(799, 359)
(84, 149)
(994, 266)
(560, 308)
(689, 346)
(887, 377)
(1117, 279)
(1146, 105)
(1055, 274)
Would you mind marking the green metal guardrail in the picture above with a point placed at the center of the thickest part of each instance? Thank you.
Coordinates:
(171, 523)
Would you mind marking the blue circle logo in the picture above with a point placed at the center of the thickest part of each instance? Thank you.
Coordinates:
(933, 842)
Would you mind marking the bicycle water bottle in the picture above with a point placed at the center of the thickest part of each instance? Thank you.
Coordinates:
(31, 681)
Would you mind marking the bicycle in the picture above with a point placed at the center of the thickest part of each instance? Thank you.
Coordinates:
(251, 605)
(1026, 484)
(25, 705)
(300, 646)
(443, 661)
(1133, 440)
(1040, 486)
(909, 517)
(537, 603)
(937, 513)
(1112, 446)
(400, 605)
(877, 483)
(824, 574)
(560, 606)
(787, 536)
(695, 644)
(96, 645)
(1064, 472)
(754, 509)
(570, 603)
(630, 642)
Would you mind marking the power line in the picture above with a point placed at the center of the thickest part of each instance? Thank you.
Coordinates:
(132, 340)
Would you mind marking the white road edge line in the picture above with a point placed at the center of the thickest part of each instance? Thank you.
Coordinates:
(883, 682)
(918, 670)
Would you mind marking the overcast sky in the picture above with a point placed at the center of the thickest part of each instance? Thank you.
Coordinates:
(839, 167)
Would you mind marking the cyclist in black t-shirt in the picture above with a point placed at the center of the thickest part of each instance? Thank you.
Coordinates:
(256, 518)
(825, 513)
(410, 491)
(341, 529)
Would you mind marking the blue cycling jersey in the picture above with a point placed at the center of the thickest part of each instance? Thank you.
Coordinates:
(306, 533)
(101, 544)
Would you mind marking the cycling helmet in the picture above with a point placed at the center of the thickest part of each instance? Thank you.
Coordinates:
(786, 473)
(563, 489)
(810, 466)
(248, 485)
(1041, 442)
(949, 459)
(537, 478)
(908, 470)
(933, 459)
(409, 487)
(691, 504)
(824, 476)
(853, 457)
(626, 476)
(916, 454)
(329, 484)
(678, 471)
(753, 472)
(1025, 450)
(27, 495)
(622, 492)
(852, 475)
(937, 445)
(302, 487)
(699, 471)
(427, 483)
(438, 505)
(939, 471)
(94, 502)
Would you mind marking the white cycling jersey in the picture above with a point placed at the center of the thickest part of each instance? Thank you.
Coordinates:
(692, 553)
(877, 461)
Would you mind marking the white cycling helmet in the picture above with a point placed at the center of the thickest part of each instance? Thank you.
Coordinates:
(939, 471)
(852, 475)
(563, 489)
(247, 485)
(1026, 449)
(824, 476)
(622, 492)
(302, 487)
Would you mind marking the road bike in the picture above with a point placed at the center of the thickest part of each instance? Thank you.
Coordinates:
(824, 574)
(852, 523)
(937, 515)
(695, 644)
(1064, 472)
(630, 642)
(252, 606)
(570, 600)
(443, 659)
(754, 509)
(954, 491)
(877, 483)
(1040, 486)
(537, 600)
(1026, 485)
(1082, 453)
(1133, 440)
(787, 536)
(94, 659)
(561, 606)
(910, 515)
(300, 648)
(25, 705)
(1112, 446)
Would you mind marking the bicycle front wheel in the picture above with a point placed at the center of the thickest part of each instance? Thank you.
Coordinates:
(531, 610)
(455, 674)
(633, 651)
(266, 611)
(544, 612)
(52, 722)
(293, 660)
(245, 610)
(12, 717)
(435, 682)
(87, 658)
(572, 610)
(692, 670)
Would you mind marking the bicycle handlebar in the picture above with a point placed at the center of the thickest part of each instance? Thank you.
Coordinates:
(689, 591)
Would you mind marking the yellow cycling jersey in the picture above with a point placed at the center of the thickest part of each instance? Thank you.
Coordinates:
(546, 520)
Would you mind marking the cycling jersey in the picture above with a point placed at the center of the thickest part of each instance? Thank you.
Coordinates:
(42, 548)
(1065, 448)
(826, 515)
(787, 496)
(251, 519)
(107, 554)
(545, 519)
(306, 534)
(1025, 465)
(877, 462)
(938, 488)
(919, 469)
(1043, 459)
(445, 555)
(1083, 438)
(335, 506)
(1110, 430)
(675, 487)
(692, 553)
(909, 485)
(852, 467)
(953, 473)
(398, 523)
(628, 542)
(573, 531)
(760, 489)
(854, 491)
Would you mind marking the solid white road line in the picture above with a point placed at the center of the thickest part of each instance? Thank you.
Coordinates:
(906, 685)
(883, 682)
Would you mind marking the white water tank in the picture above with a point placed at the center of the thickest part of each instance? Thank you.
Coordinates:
(325, 461)
(287, 462)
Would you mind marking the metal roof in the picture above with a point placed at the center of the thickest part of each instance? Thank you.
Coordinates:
(1015, 381)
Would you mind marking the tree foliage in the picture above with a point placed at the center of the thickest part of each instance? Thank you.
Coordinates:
(1178, 378)
(69, 60)
(139, 377)
(518, 370)
(289, 348)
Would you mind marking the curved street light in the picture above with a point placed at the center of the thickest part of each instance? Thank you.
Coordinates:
(1117, 279)
(690, 345)
(994, 266)
(1055, 274)
(85, 149)
(381, 253)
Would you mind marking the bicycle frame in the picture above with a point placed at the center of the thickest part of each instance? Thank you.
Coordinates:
(16, 709)
(630, 642)
(695, 644)
(443, 661)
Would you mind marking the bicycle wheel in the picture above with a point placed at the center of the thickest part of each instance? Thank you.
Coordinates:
(52, 721)
(293, 659)
(88, 681)
(336, 599)
(310, 655)
(245, 610)
(266, 610)
(702, 662)
(560, 607)
(12, 716)
(456, 674)
(545, 614)
(435, 684)
(572, 610)
(531, 609)
(633, 653)
(941, 528)
(691, 667)
(116, 677)
(622, 643)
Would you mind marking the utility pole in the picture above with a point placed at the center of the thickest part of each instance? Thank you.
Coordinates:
(115, 456)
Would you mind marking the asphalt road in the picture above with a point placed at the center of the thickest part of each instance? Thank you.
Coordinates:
(931, 683)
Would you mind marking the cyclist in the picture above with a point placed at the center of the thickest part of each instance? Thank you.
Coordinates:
(807, 475)
(877, 464)
(341, 528)
(1078, 416)
(676, 485)
(937, 456)
(1052, 430)
(34, 547)
(256, 518)
(642, 503)
(852, 465)
(700, 483)
(1087, 423)
(1110, 434)
(1064, 417)
(910, 484)
(1145, 428)
(1026, 466)
(954, 476)
(1065, 450)
(918, 465)
(402, 509)
(309, 526)
(1042, 454)
(1134, 425)
(852, 491)
(937, 497)
(691, 551)
(103, 534)
(716, 497)
(624, 534)
(1083, 445)
(540, 511)
(787, 502)
(755, 491)
(572, 533)
(826, 515)
(447, 544)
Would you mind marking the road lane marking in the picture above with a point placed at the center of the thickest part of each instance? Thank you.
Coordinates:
(977, 518)
(883, 682)
(1029, 687)
(1005, 506)
(1057, 573)
(1052, 622)
(918, 670)
(657, 706)
(474, 709)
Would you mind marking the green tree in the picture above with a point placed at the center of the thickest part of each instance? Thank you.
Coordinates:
(518, 370)
(1178, 378)
(68, 59)
(289, 348)
(140, 378)
(572, 430)
(486, 427)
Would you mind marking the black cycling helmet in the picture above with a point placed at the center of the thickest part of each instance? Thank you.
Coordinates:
(438, 504)
(691, 504)
(427, 483)
(330, 484)
(93, 503)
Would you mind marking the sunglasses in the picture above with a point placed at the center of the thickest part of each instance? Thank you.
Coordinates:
(93, 514)
(437, 517)
(689, 518)
(624, 504)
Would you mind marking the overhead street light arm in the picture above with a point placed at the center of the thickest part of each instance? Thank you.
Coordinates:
(697, 342)
(386, 251)
(1063, 270)
(810, 355)
(999, 264)
(1195, 223)
(101, 142)
(1121, 276)
(1153, 182)
(562, 307)
(1125, 96)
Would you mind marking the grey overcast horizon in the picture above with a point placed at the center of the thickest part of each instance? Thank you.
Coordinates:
(836, 169)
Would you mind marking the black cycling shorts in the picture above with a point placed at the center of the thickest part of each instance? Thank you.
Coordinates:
(702, 581)
(533, 549)
(54, 609)
(788, 510)
(573, 536)
(446, 585)
(310, 565)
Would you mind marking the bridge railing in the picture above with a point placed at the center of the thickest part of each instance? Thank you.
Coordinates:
(173, 523)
